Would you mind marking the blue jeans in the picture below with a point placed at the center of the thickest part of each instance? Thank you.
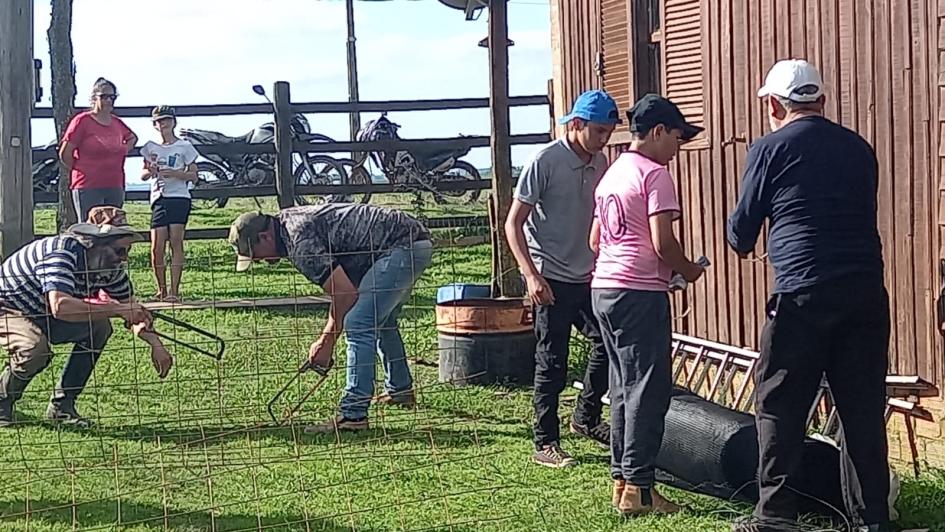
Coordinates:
(371, 326)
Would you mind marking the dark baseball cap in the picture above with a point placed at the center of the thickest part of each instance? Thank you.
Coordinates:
(652, 110)
(244, 232)
(163, 111)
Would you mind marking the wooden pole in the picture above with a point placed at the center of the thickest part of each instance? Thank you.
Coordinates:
(354, 117)
(285, 182)
(506, 278)
(16, 105)
(62, 70)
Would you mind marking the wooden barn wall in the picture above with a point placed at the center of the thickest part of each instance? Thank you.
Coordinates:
(880, 61)
(576, 46)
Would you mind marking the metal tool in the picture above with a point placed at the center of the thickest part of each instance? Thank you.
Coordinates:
(322, 372)
(220, 344)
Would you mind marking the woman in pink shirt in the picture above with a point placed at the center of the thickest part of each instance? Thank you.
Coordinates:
(93, 149)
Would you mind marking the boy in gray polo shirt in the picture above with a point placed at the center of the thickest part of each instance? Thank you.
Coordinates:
(548, 227)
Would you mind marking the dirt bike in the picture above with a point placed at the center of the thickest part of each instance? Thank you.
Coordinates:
(46, 170)
(420, 169)
(259, 169)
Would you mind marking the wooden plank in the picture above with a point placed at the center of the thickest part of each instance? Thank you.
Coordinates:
(285, 181)
(304, 190)
(924, 166)
(727, 283)
(243, 304)
(743, 92)
(240, 148)
(322, 107)
(797, 28)
(938, 373)
(504, 271)
(439, 222)
(846, 82)
(903, 163)
(884, 122)
(715, 320)
(753, 75)
(16, 100)
(830, 59)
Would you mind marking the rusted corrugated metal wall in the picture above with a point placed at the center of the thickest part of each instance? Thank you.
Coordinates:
(880, 63)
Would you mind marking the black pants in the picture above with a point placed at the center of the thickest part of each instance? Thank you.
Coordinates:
(840, 329)
(553, 323)
(637, 331)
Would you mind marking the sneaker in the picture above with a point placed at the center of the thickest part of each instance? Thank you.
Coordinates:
(338, 424)
(599, 433)
(405, 399)
(63, 414)
(619, 485)
(553, 456)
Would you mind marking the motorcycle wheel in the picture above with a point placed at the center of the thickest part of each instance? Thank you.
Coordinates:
(356, 174)
(460, 171)
(319, 170)
(211, 176)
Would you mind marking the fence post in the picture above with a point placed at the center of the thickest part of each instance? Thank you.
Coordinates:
(16, 103)
(285, 182)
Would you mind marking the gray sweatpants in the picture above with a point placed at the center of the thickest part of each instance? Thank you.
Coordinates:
(636, 329)
(87, 198)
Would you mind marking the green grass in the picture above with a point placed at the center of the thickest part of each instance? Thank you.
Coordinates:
(194, 453)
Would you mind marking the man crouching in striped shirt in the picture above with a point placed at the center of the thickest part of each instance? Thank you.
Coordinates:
(45, 292)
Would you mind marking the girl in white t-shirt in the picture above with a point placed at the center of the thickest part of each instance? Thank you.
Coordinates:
(170, 167)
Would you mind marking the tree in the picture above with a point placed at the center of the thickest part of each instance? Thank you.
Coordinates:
(62, 69)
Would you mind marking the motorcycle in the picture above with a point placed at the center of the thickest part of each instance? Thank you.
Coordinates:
(259, 169)
(420, 169)
(46, 170)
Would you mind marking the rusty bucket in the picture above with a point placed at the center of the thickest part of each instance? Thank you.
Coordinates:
(484, 316)
(486, 341)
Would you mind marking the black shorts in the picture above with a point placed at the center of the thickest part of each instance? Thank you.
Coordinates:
(170, 211)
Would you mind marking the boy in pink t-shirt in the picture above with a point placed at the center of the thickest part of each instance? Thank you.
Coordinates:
(637, 253)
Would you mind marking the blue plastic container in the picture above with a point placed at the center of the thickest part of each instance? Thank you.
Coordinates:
(460, 291)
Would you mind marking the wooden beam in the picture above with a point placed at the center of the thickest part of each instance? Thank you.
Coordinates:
(506, 279)
(239, 148)
(320, 107)
(16, 105)
(354, 117)
(440, 222)
(285, 181)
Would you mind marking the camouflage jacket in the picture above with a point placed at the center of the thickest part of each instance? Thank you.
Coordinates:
(318, 238)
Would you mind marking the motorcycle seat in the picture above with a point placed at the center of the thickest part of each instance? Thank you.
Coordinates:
(429, 158)
(205, 136)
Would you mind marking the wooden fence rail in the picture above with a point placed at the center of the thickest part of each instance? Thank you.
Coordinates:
(301, 190)
(441, 222)
(240, 148)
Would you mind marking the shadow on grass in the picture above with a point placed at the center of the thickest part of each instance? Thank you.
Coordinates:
(444, 437)
(104, 515)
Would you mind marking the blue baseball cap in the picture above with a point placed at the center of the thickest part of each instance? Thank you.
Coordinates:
(594, 106)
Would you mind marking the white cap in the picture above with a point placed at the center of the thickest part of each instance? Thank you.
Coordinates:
(793, 79)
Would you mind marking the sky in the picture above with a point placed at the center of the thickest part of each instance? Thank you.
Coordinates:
(186, 52)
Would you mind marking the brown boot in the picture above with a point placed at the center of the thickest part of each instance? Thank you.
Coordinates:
(619, 485)
(632, 501)
(661, 505)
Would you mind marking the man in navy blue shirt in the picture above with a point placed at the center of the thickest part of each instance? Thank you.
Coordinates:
(815, 182)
